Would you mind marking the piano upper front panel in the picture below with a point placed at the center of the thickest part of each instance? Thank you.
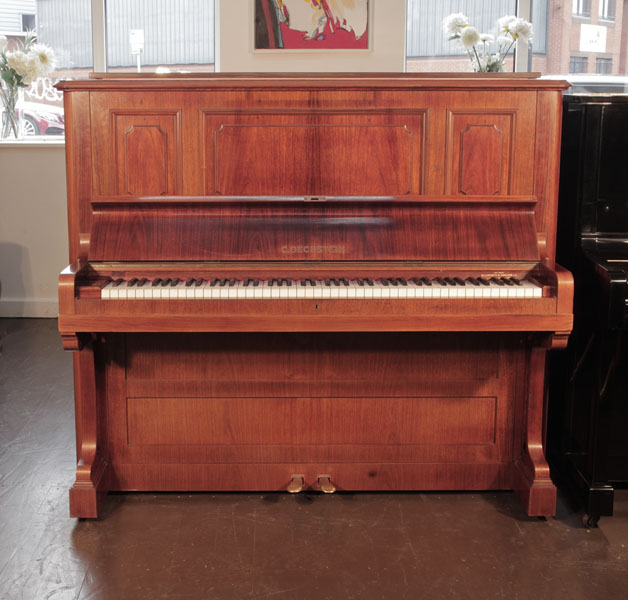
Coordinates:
(310, 141)
(292, 153)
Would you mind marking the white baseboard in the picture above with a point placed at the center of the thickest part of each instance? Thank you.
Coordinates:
(29, 307)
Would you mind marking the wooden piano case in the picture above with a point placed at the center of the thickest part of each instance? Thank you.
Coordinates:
(406, 396)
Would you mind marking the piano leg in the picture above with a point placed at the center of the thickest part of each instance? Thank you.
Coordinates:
(91, 483)
(531, 475)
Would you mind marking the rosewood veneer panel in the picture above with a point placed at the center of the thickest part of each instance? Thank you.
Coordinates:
(322, 153)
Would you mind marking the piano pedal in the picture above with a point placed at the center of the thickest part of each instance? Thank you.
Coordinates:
(296, 485)
(324, 482)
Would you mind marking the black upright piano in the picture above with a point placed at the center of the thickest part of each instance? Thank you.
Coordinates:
(588, 420)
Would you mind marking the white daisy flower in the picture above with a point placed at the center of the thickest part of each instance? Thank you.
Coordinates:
(470, 36)
(455, 23)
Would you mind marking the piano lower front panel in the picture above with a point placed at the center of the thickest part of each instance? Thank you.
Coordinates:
(375, 411)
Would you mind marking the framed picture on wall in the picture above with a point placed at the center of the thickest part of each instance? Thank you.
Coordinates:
(311, 25)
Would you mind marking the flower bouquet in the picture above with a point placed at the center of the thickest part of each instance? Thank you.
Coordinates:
(486, 52)
(18, 69)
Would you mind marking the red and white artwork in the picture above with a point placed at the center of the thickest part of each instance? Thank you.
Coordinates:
(311, 24)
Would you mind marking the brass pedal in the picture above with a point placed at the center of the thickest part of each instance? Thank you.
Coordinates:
(324, 482)
(296, 485)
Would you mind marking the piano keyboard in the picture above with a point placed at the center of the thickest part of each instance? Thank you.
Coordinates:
(261, 289)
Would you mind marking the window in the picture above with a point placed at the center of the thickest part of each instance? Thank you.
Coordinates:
(427, 46)
(28, 22)
(607, 10)
(151, 35)
(578, 64)
(603, 66)
(582, 8)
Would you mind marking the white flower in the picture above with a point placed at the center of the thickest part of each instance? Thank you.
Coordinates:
(504, 23)
(25, 65)
(470, 36)
(455, 23)
(503, 40)
(46, 57)
(3, 42)
(19, 62)
(520, 29)
(486, 37)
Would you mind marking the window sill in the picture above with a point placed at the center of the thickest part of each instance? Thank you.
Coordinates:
(34, 142)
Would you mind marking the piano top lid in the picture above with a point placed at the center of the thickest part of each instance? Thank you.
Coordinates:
(217, 228)
(311, 81)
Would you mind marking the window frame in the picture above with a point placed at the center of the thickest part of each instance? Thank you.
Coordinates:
(607, 10)
(578, 60)
(581, 8)
(606, 62)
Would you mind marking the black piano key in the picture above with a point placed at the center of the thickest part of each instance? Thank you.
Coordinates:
(312, 282)
(256, 283)
(271, 282)
(118, 282)
(175, 282)
(327, 282)
(133, 281)
(303, 282)
(402, 281)
(450, 281)
(142, 282)
(232, 282)
(473, 281)
(369, 281)
(335, 281)
(345, 281)
(483, 281)
(458, 281)
(516, 281)
(189, 282)
(507, 281)
(198, 282)
(279, 282)
(288, 282)
(213, 283)
(360, 281)
(223, 283)
(497, 281)
(440, 280)
(393, 281)
(417, 281)
(166, 282)
(426, 281)
(383, 281)
(156, 282)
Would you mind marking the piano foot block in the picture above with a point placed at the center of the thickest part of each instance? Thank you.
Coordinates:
(87, 496)
(538, 496)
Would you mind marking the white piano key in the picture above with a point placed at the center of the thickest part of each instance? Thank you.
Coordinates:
(199, 290)
(179, 290)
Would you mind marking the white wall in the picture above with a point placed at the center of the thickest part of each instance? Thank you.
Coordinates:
(234, 44)
(33, 228)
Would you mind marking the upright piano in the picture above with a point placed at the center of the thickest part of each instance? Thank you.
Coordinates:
(589, 392)
(312, 282)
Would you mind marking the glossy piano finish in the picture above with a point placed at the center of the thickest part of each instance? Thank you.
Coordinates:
(173, 179)
(589, 405)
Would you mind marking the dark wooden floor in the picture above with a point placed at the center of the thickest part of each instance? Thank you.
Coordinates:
(274, 546)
